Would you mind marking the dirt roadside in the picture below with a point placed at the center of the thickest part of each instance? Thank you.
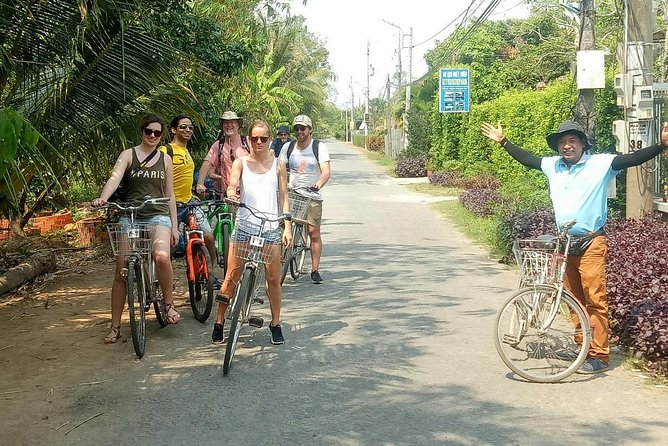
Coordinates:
(52, 345)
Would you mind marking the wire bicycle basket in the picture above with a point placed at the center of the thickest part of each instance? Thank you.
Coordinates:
(536, 260)
(128, 239)
(298, 205)
(250, 242)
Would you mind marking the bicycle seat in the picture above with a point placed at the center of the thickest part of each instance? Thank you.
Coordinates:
(546, 241)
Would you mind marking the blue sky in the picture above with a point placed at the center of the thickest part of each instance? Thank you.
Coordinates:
(346, 25)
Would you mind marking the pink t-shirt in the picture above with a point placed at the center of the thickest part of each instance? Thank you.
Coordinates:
(222, 165)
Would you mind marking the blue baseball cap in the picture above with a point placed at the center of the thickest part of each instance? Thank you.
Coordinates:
(283, 129)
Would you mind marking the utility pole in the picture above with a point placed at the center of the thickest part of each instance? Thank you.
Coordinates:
(352, 109)
(408, 86)
(638, 64)
(388, 126)
(366, 107)
(584, 109)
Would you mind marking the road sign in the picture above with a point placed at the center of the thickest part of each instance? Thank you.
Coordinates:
(454, 90)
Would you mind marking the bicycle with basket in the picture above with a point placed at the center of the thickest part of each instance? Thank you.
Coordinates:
(542, 332)
(251, 243)
(134, 242)
(293, 257)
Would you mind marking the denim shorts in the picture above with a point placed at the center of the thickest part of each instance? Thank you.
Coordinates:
(272, 236)
(156, 220)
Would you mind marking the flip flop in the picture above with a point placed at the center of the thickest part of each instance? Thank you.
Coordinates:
(174, 317)
(114, 335)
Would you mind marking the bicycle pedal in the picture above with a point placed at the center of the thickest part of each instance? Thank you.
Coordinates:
(256, 322)
(258, 300)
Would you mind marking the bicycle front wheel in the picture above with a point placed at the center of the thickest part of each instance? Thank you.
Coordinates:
(225, 249)
(158, 299)
(300, 241)
(201, 290)
(286, 256)
(244, 293)
(532, 350)
(137, 306)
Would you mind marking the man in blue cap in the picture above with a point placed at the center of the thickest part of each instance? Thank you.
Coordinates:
(578, 189)
(282, 137)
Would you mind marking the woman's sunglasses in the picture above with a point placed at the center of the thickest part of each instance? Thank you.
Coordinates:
(151, 132)
(259, 138)
(186, 126)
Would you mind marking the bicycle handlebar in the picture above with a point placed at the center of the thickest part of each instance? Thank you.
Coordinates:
(255, 212)
(146, 202)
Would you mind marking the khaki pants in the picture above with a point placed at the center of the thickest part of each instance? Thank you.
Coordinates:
(585, 279)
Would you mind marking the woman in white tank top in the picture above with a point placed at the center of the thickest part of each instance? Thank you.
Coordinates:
(259, 177)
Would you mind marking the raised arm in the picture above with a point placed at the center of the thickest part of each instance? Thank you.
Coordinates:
(638, 157)
(522, 156)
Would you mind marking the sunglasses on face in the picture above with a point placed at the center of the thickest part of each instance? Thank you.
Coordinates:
(186, 126)
(151, 132)
(259, 138)
(299, 128)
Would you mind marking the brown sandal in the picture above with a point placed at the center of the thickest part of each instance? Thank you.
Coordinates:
(114, 335)
(174, 317)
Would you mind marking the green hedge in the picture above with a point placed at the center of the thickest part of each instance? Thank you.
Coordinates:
(358, 140)
(527, 117)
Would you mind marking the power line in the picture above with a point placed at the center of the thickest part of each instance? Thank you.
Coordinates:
(449, 24)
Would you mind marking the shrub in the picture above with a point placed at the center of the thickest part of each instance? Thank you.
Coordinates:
(376, 143)
(448, 179)
(637, 284)
(525, 224)
(480, 181)
(482, 202)
(411, 167)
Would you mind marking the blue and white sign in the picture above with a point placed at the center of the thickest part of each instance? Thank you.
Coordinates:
(454, 89)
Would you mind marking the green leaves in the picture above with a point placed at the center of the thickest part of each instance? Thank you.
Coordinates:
(15, 133)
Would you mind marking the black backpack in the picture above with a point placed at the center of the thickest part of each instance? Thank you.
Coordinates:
(291, 147)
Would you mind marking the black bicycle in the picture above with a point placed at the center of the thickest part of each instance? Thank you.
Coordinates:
(134, 241)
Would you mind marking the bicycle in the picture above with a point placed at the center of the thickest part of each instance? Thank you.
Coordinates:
(135, 242)
(221, 219)
(293, 257)
(198, 264)
(251, 244)
(542, 332)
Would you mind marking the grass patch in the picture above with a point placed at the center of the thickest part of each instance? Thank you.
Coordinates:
(479, 230)
(388, 164)
(435, 189)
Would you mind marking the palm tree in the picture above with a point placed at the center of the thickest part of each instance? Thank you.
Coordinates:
(77, 74)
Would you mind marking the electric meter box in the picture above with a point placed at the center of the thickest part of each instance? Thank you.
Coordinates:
(643, 99)
(621, 134)
(624, 89)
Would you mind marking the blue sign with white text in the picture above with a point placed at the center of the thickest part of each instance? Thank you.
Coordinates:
(454, 90)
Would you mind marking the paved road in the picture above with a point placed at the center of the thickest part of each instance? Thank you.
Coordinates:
(394, 348)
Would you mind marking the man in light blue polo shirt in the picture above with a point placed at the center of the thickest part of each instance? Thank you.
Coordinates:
(578, 190)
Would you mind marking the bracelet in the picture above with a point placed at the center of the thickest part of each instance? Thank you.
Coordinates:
(503, 142)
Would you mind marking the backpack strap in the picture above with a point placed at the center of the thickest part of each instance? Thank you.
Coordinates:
(170, 149)
(244, 145)
(291, 147)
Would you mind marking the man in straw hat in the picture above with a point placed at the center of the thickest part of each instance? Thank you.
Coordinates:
(222, 153)
(578, 188)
